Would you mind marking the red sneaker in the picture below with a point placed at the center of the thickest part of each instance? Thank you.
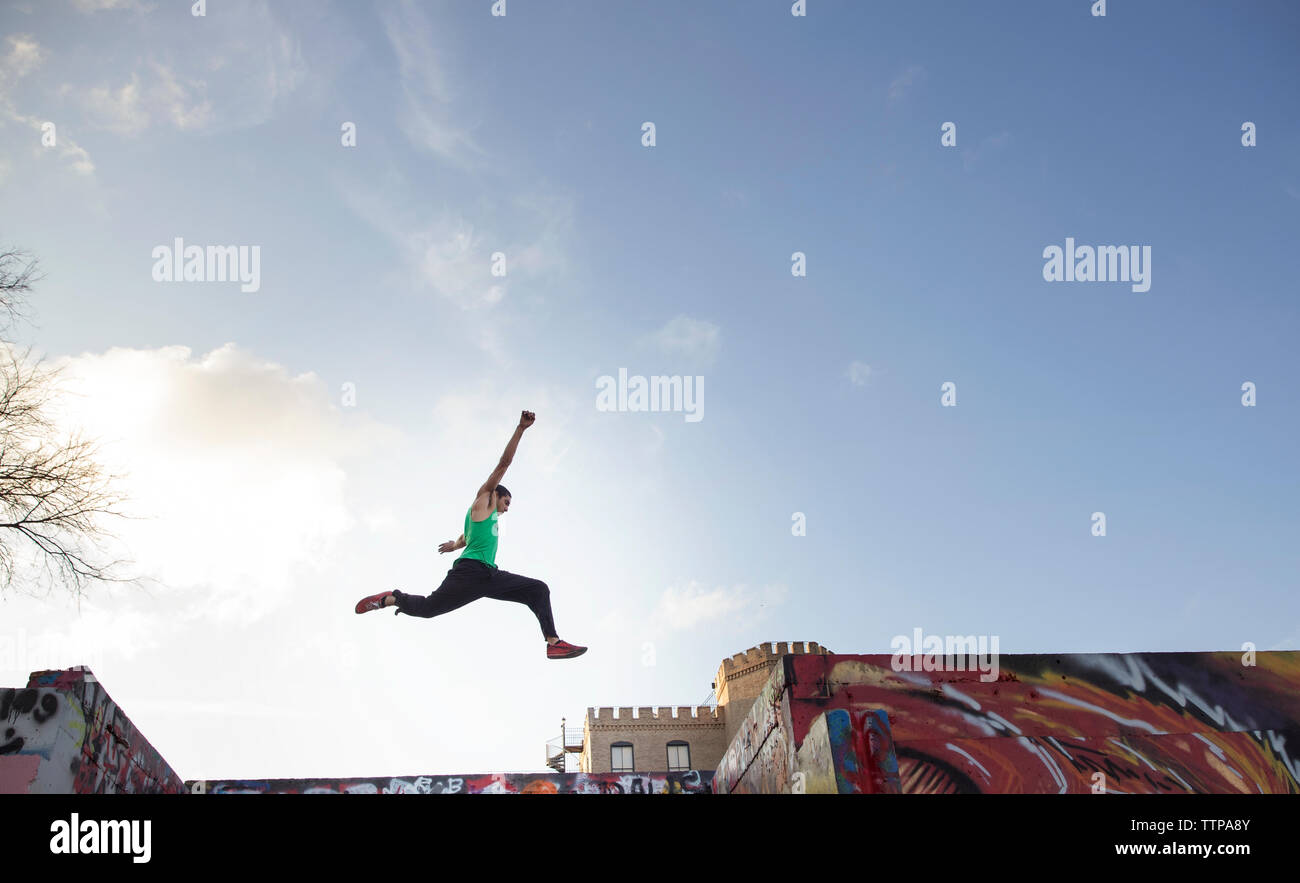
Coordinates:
(563, 650)
(374, 602)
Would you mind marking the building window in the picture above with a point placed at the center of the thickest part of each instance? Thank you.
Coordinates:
(620, 757)
(679, 756)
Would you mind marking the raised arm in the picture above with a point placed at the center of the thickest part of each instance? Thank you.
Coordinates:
(525, 420)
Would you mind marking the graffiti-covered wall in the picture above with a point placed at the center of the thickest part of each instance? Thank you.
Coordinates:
(689, 782)
(63, 734)
(761, 757)
(848, 752)
(1068, 723)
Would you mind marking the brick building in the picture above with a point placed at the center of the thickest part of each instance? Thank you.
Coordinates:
(684, 737)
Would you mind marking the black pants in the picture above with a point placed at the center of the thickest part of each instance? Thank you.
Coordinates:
(470, 579)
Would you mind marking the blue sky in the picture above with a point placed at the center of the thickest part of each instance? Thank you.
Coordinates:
(268, 505)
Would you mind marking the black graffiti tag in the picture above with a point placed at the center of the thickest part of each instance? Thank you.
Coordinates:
(14, 703)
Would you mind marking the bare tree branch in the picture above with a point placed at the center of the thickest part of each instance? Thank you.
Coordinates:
(54, 495)
(18, 270)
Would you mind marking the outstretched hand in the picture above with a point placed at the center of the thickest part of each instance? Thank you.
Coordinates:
(526, 419)
(449, 546)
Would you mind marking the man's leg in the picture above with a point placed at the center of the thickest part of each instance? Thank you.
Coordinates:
(506, 586)
(464, 583)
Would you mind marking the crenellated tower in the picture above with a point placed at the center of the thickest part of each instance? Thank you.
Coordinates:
(741, 678)
(647, 735)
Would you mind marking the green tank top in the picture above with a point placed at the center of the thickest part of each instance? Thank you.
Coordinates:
(481, 538)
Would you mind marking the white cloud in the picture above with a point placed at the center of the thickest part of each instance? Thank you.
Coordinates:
(24, 56)
(236, 471)
(987, 145)
(426, 116)
(91, 6)
(479, 422)
(81, 162)
(903, 83)
(547, 219)
(859, 373)
(452, 255)
(454, 260)
(251, 65)
(176, 103)
(695, 339)
(92, 636)
(130, 109)
(64, 146)
(245, 66)
(445, 253)
(118, 110)
(691, 605)
(379, 520)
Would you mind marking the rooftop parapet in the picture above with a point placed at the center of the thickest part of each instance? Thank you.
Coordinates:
(686, 714)
(767, 652)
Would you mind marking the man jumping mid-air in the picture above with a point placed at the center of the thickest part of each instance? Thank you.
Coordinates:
(475, 575)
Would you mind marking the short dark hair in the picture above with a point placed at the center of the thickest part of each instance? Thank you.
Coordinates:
(502, 490)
